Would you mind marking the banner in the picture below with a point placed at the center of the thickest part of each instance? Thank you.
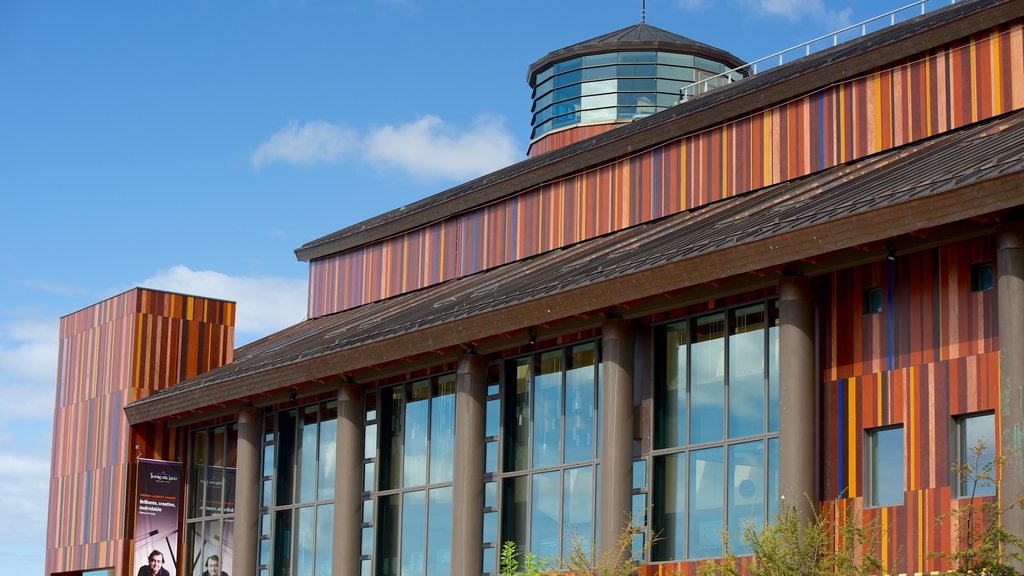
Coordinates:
(156, 517)
(212, 539)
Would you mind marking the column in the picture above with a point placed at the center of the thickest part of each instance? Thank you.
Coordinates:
(348, 479)
(247, 490)
(796, 395)
(616, 434)
(1010, 287)
(468, 480)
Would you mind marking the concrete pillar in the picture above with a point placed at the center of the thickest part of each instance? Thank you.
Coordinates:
(617, 343)
(796, 395)
(1010, 287)
(348, 479)
(468, 480)
(247, 491)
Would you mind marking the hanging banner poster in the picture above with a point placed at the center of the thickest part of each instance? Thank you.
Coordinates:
(156, 517)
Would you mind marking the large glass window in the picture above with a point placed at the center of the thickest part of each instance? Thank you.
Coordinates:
(975, 455)
(211, 498)
(297, 520)
(715, 457)
(884, 467)
(549, 480)
(415, 460)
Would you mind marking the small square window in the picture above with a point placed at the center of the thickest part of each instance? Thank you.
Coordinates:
(981, 277)
(974, 472)
(872, 301)
(884, 467)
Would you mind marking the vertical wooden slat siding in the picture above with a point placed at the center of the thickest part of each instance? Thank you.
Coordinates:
(943, 89)
(111, 354)
(944, 363)
(563, 138)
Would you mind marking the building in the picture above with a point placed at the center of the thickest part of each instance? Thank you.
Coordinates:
(805, 281)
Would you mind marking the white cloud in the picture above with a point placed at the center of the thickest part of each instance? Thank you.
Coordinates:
(424, 148)
(28, 365)
(797, 9)
(691, 4)
(265, 304)
(430, 148)
(308, 144)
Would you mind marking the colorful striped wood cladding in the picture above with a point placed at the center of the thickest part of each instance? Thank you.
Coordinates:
(962, 82)
(111, 354)
(555, 140)
(929, 355)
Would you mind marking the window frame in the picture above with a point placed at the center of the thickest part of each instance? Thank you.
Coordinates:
(960, 455)
(872, 467)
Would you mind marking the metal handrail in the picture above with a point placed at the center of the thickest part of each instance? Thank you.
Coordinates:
(689, 92)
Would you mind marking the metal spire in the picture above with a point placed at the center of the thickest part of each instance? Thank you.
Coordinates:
(643, 10)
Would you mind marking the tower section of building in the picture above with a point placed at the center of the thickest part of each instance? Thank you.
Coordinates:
(590, 87)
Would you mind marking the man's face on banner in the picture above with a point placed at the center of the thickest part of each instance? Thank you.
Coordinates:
(156, 561)
(213, 566)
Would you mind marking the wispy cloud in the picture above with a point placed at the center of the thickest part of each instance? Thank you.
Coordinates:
(691, 4)
(308, 144)
(798, 9)
(265, 303)
(52, 287)
(424, 148)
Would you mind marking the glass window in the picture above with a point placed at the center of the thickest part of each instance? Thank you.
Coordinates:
(715, 461)
(298, 521)
(981, 277)
(599, 87)
(599, 59)
(675, 73)
(675, 59)
(211, 496)
(570, 64)
(567, 78)
(884, 467)
(871, 300)
(550, 414)
(600, 73)
(637, 57)
(975, 455)
(637, 70)
(417, 445)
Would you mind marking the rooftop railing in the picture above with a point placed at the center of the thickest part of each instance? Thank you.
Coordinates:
(851, 32)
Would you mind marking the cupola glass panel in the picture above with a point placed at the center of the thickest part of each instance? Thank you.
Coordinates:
(615, 86)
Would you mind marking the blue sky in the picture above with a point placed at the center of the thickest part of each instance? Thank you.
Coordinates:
(193, 145)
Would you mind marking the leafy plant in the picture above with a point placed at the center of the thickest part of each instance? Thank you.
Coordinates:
(532, 565)
(620, 560)
(984, 546)
(789, 547)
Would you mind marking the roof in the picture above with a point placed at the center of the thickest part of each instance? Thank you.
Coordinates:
(946, 180)
(637, 37)
(778, 84)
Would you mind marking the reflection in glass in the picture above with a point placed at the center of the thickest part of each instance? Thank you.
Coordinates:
(746, 491)
(282, 542)
(514, 510)
(773, 478)
(491, 457)
(547, 410)
(746, 372)
(368, 511)
(389, 530)
(706, 498)
(490, 494)
(668, 515)
(391, 433)
(370, 441)
(491, 527)
(639, 474)
(442, 430)
(670, 399)
(493, 419)
(773, 368)
(417, 413)
(977, 432)
(577, 506)
(579, 405)
(439, 532)
(887, 467)
(517, 413)
(413, 532)
(638, 510)
(544, 514)
(324, 538)
(307, 534)
(328, 451)
(707, 355)
(307, 450)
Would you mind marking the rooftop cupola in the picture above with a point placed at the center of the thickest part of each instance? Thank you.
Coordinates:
(589, 87)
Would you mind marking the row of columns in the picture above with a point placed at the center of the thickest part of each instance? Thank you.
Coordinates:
(797, 429)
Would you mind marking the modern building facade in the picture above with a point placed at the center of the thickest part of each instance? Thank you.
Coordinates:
(806, 282)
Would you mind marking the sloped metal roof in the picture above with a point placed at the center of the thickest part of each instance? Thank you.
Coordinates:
(779, 83)
(947, 179)
(640, 36)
